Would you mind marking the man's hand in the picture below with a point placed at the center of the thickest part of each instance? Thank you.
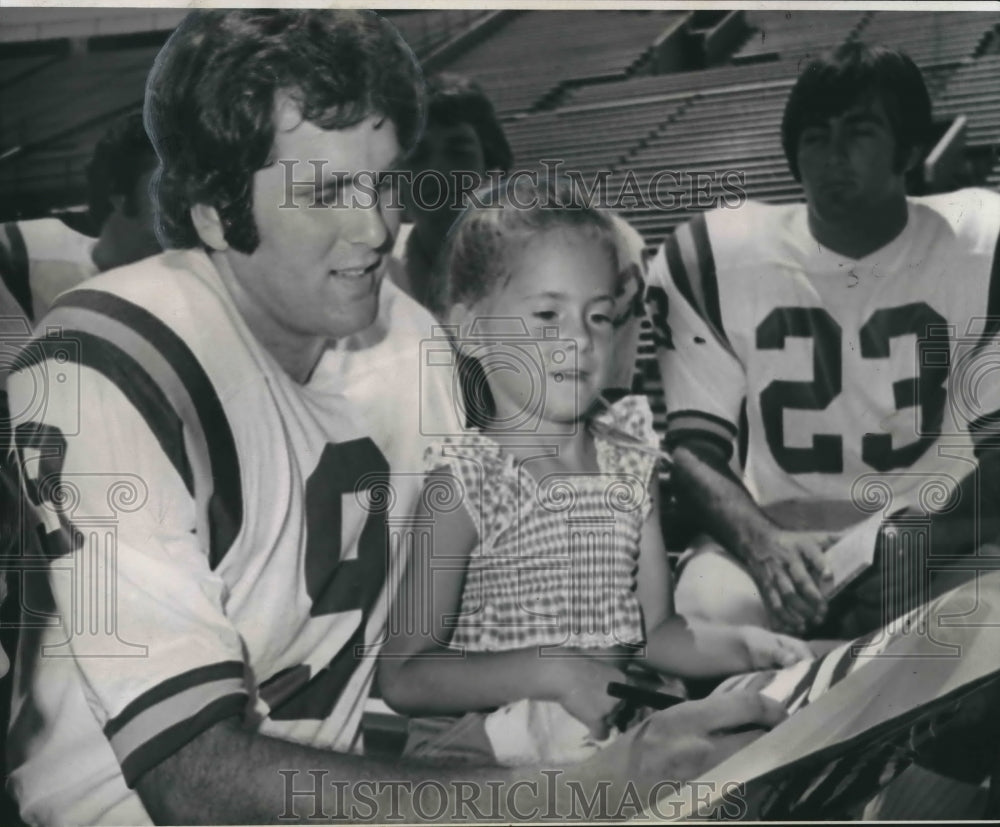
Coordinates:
(583, 691)
(789, 569)
(689, 739)
(772, 650)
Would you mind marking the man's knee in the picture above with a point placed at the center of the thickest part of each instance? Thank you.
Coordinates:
(714, 585)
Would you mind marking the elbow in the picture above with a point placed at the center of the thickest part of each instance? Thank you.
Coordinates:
(395, 688)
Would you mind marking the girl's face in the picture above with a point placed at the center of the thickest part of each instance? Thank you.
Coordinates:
(545, 338)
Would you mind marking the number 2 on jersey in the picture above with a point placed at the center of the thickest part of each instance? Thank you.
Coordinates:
(926, 390)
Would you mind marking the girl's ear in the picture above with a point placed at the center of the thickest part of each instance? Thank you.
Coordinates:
(459, 316)
(461, 319)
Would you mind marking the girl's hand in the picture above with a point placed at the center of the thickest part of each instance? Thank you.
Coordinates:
(583, 691)
(767, 649)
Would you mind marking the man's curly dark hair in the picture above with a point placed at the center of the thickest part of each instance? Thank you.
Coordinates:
(210, 101)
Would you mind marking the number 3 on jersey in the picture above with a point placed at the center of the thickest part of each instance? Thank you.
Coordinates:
(825, 455)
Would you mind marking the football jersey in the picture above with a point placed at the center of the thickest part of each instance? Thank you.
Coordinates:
(40, 259)
(218, 540)
(856, 377)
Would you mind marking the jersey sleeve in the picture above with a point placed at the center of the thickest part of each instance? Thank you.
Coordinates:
(15, 272)
(704, 383)
(140, 608)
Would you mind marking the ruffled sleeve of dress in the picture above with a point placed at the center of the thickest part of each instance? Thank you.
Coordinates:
(631, 417)
(486, 482)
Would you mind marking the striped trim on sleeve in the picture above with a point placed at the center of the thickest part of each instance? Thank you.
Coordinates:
(685, 423)
(153, 365)
(165, 718)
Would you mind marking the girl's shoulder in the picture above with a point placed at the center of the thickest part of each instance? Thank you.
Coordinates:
(491, 488)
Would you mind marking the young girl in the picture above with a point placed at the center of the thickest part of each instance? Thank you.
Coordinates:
(541, 572)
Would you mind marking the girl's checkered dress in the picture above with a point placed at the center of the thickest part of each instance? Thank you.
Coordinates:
(556, 558)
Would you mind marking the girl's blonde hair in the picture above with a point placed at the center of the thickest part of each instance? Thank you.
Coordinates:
(483, 243)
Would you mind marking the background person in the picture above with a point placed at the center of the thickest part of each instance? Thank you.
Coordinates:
(40, 258)
(837, 321)
(463, 143)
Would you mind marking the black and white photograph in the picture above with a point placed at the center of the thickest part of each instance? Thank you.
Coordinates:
(499, 413)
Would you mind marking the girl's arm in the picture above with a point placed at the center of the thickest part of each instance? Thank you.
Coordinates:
(694, 648)
(419, 675)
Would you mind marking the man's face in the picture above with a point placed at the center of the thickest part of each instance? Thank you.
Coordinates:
(317, 269)
(448, 149)
(846, 163)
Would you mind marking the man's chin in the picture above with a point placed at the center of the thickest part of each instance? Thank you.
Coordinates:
(363, 319)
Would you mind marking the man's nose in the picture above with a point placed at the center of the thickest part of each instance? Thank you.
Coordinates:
(369, 226)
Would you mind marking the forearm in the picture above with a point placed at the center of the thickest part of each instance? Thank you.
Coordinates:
(697, 649)
(229, 775)
(446, 682)
(703, 483)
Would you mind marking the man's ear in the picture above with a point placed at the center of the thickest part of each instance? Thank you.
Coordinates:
(913, 157)
(208, 225)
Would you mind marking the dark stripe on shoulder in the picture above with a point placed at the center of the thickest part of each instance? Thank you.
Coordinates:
(225, 511)
(678, 272)
(993, 298)
(709, 278)
(15, 268)
(170, 687)
(128, 376)
(172, 739)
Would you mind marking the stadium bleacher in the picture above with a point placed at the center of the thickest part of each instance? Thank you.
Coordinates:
(531, 58)
(586, 88)
(794, 35)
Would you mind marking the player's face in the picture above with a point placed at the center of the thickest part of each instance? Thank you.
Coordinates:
(455, 152)
(846, 163)
(316, 272)
(562, 287)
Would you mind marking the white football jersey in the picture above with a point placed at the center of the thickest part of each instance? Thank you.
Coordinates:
(855, 374)
(218, 539)
(40, 259)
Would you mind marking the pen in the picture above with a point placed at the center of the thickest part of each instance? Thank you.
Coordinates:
(643, 697)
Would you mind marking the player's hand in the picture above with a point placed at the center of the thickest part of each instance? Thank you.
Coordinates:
(583, 691)
(769, 650)
(791, 572)
(689, 739)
